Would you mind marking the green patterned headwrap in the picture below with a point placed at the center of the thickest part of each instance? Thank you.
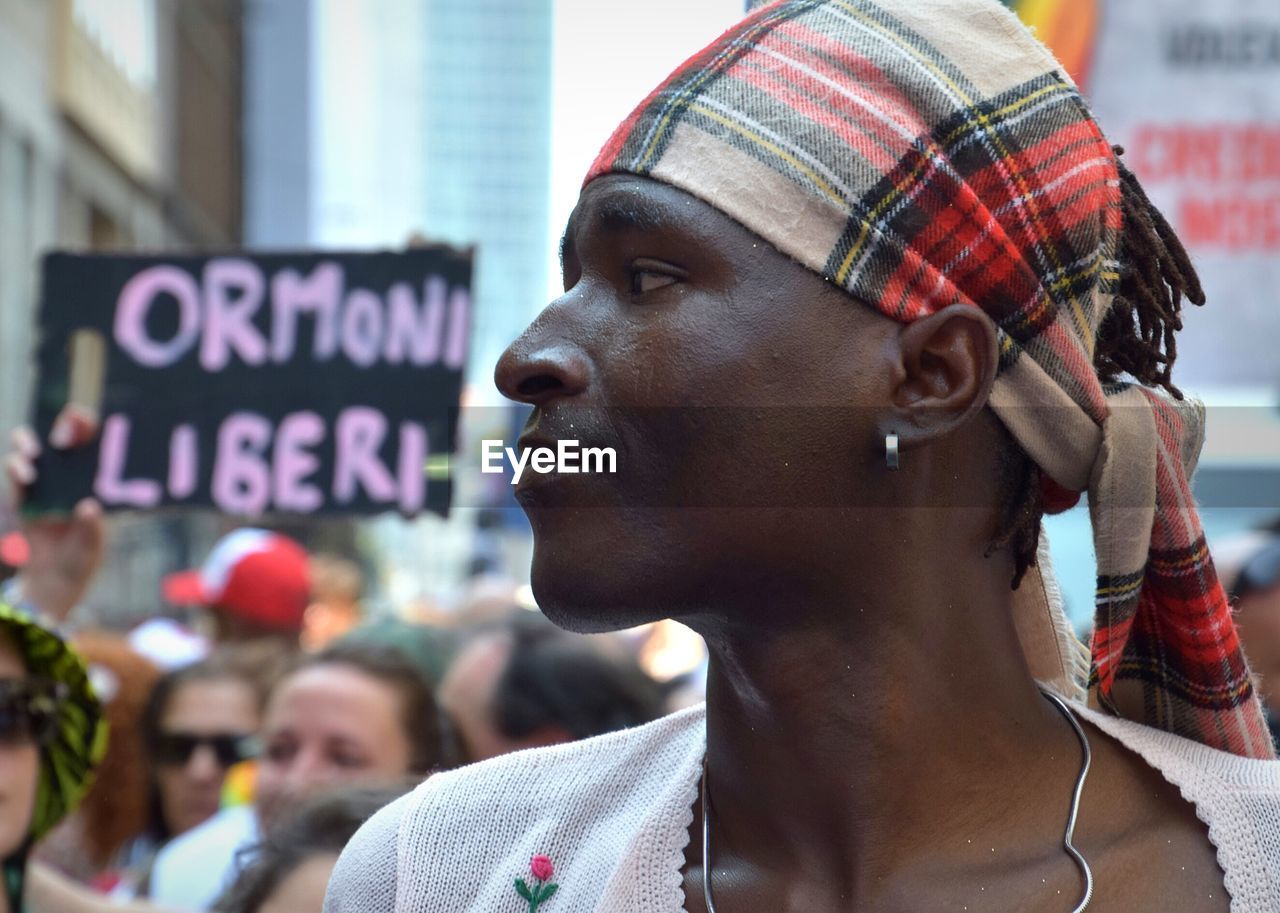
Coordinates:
(67, 761)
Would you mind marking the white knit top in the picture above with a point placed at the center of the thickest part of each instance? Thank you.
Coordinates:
(613, 813)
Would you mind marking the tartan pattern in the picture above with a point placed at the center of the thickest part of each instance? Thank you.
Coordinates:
(925, 153)
(1169, 627)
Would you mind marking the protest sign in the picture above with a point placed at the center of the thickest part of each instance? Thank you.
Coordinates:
(1191, 90)
(302, 383)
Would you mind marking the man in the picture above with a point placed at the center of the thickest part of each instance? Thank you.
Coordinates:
(255, 583)
(796, 278)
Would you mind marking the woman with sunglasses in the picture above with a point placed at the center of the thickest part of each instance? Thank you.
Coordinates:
(51, 736)
(352, 714)
(200, 721)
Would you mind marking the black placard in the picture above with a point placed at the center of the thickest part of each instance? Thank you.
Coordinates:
(303, 383)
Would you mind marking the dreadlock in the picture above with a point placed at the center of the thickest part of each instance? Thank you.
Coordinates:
(1135, 338)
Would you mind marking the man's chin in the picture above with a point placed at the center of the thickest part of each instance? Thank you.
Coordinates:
(580, 601)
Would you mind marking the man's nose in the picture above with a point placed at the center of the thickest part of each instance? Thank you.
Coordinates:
(536, 370)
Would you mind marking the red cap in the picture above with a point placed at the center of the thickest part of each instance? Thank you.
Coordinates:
(14, 550)
(253, 574)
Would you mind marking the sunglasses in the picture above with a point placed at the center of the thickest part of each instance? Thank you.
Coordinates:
(1261, 572)
(176, 748)
(29, 710)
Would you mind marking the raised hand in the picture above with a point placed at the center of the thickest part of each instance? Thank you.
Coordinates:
(65, 552)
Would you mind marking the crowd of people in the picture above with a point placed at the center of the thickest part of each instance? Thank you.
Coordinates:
(877, 250)
(231, 781)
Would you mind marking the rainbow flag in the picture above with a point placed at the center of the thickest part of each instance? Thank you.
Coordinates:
(1067, 27)
(240, 785)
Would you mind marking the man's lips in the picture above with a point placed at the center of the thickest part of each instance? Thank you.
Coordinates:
(578, 435)
(571, 484)
(529, 441)
(531, 477)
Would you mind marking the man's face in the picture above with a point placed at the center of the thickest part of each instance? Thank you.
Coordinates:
(739, 389)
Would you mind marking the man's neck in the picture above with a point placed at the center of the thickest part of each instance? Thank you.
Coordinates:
(901, 728)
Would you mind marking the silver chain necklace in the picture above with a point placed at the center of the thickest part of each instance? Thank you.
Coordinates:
(1066, 837)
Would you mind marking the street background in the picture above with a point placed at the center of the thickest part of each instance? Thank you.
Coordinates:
(175, 125)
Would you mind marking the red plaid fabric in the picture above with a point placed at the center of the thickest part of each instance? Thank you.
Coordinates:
(924, 153)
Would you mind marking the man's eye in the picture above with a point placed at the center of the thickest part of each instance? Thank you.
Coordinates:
(649, 279)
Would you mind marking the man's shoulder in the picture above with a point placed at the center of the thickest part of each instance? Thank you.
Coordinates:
(596, 807)
(622, 761)
(1237, 799)
(1180, 759)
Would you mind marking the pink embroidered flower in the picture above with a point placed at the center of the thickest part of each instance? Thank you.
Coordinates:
(542, 870)
(541, 867)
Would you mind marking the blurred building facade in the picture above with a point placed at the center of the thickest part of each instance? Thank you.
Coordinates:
(488, 157)
(279, 123)
(119, 129)
(486, 130)
(369, 122)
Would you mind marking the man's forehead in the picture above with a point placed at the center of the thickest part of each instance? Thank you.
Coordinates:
(626, 201)
(615, 205)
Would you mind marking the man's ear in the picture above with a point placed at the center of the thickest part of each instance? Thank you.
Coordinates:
(944, 366)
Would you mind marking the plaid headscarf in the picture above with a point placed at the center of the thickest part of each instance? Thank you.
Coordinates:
(924, 153)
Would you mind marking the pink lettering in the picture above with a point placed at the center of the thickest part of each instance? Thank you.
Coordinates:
(362, 327)
(317, 294)
(412, 467)
(358, 437)
(411, 333)
(291, 463)
(134, 306)
(241, 479)
(455, 353)
(183, 462)
(110, 486)
(233, 290)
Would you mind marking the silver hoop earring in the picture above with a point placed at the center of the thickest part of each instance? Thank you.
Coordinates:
(891, 450)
